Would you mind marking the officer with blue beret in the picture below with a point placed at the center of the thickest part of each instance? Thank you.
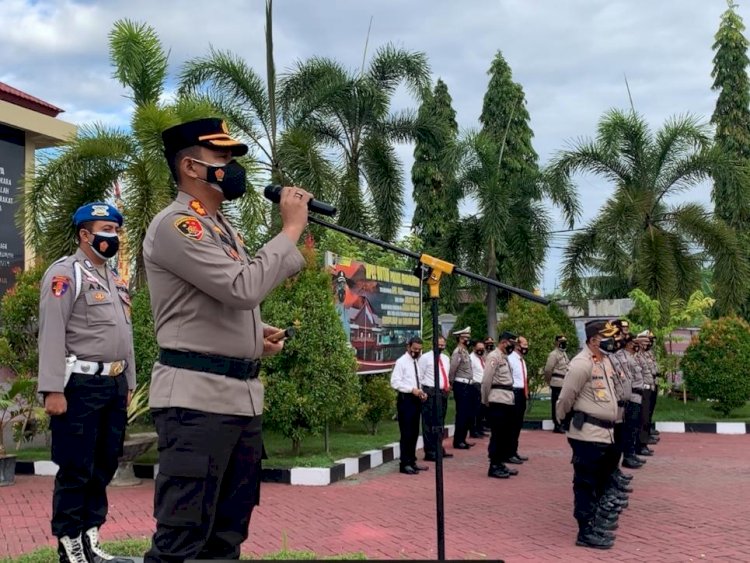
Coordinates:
(87, 377)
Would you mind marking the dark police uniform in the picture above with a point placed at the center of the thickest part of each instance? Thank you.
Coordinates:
(85, 352)
(205, 395)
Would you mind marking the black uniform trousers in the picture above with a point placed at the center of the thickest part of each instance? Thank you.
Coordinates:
(409, 408)
(555, 396)
(590, 477)
(476, 421)
(86, 445)
(519, 412)
(433, 422)
(207, 485)
(462, 393)
(615, 454)
(632, 422)
(501, 424)
(652, 406)
(645, 422)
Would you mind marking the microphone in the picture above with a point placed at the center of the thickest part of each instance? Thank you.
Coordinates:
(274, 194)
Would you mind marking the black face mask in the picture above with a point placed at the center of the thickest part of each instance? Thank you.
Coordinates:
(618, 344)
(524, 351)
(489, 347)
(607, 344)
(415, 355)
(441, 348)
(562, 345)
(229, 178)
(479, 352)
(105, 245)
(509, 348)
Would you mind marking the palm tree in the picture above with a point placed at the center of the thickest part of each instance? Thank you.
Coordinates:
(88, 167)
(509, 235)
(639, 239)
(350, 113)
(285, 154)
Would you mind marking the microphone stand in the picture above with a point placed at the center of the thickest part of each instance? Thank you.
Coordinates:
(430, 270)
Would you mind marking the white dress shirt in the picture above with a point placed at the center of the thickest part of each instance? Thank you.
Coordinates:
(403, 377)
(515, 361)
(427, 369)
(477, 367)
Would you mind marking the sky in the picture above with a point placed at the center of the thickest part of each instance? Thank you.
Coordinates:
(571, 57)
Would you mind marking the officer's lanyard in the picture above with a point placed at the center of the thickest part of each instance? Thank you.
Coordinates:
(93, 277)
(225, 234)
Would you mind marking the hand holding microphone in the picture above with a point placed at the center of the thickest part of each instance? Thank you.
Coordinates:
(292, 201)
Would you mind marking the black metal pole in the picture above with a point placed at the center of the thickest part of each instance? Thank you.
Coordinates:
(388, 246)
(437, 428)
(437, 404)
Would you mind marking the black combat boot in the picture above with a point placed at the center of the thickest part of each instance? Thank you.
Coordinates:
(588, 537)
(498, 472)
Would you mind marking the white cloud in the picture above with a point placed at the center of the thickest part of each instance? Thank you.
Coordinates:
(569, 56)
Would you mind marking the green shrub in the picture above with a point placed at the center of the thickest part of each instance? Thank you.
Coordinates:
(567, 327)
(144, 337)
(378, 399)
(716, 362)
(534, 322)
(313, 383)
(475, 316)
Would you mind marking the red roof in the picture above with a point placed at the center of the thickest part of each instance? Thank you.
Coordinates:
(15, 96)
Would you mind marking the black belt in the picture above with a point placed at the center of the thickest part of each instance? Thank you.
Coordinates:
(638, 391)
(621, 403)
(503, 387)
(235, 368)
(560, 375)
(608, 424)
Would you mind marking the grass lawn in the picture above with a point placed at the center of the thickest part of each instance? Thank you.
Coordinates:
(136, 548)
(668, 409)
(351, 439)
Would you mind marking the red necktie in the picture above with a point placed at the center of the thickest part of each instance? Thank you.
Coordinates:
(444, 384)
(481, 360)
(525, 380)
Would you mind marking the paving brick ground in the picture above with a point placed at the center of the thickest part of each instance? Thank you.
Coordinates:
(690, 503)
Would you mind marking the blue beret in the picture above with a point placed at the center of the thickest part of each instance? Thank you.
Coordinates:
(97, 211)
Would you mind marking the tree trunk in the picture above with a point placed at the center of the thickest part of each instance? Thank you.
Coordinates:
(492, 292)
(296, 446)
(326, 439)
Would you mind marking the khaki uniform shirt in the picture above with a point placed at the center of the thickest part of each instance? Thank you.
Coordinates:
(461, 366)
(206, 290)
(651, 357)
(589, 388)
(556, 367)
(497, 372)
(94, 328)
(634, 373)
(623, 387)
(648, 376)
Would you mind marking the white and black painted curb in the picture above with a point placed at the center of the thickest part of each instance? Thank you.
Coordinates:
(344, 468)
(310, 476)
(668, 427)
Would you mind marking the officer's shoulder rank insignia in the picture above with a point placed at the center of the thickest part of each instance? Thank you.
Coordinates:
(189, 227)
(197, 206)
(60, 285)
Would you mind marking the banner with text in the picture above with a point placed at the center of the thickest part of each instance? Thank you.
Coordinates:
(380, 310)
(11, 170)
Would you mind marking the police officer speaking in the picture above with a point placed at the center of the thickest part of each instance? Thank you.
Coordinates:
(205, 395)
(87, 376)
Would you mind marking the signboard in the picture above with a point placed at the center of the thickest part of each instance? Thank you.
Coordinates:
(380, 309)
(11, 239)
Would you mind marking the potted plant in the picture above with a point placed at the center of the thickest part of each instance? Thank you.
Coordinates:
(135, 445)
(13, 407)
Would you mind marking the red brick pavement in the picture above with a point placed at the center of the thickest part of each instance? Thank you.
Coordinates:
(690, 503)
